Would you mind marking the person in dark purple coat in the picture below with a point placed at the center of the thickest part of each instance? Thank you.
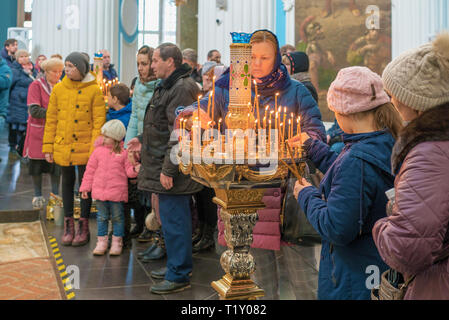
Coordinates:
(414, 239)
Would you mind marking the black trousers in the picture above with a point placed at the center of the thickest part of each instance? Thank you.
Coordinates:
(16, 137)
(207, 210)
(68, 188)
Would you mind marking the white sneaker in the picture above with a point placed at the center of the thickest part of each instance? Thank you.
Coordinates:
(38, 202)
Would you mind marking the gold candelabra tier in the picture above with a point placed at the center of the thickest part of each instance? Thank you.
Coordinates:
(240, 166)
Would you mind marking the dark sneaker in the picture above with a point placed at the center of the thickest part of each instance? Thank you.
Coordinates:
(167, 287)
(156, 254)
(145, 236)
(160, 273)
(147, 251)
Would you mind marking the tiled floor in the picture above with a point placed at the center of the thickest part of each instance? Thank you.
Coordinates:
(288, 275)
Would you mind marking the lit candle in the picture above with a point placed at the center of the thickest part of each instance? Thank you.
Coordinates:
(199, 110)
(281, 137)
(180, 127)
(271, 114)
(266, 116)
(298, 132)
(255, 96)
(276, 121)
(213, 99)
(285, 116)
(269, 136)
(208, 105)
(276, 101)
(289, 129)
(293, 123)
(219, 126)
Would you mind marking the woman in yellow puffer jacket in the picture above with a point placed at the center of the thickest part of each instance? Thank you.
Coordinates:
(76, 112)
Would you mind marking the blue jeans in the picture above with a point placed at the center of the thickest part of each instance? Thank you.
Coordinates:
(176, 222)
(110, 210)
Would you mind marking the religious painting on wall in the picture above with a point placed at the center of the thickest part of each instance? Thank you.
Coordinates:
(342, 33)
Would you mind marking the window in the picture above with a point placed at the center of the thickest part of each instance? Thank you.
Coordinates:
(28, 8)
(157, 22)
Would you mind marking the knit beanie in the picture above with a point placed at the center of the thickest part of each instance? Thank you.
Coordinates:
(419, 78)
(356, 89)
(299, 61)
(114, 129)
(80, 61)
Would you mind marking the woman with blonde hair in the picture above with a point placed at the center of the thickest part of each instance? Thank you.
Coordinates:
(38, 97)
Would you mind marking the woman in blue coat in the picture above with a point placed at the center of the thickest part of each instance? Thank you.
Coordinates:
(23, 74)
(351, 197)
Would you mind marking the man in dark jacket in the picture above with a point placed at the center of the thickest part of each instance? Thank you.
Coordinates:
(9, 51)
(190, 57)
(160, 175)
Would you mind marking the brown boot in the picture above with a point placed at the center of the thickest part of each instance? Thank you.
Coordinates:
(69, 231)
(82, 235)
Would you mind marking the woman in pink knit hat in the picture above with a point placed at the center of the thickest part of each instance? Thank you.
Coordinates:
(351, 197)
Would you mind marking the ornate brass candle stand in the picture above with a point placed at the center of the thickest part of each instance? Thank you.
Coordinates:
(239, 185)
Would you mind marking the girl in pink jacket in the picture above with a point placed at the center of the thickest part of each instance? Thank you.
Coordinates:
(106, 177)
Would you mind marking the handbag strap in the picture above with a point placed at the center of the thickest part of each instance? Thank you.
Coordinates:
(407, 283)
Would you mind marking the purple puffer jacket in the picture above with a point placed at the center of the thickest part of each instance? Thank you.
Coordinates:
(415, 239)
(267, 232)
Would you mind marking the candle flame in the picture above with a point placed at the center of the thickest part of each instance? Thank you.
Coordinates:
(267, 107)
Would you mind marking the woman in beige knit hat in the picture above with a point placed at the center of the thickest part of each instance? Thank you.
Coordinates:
(414, 239)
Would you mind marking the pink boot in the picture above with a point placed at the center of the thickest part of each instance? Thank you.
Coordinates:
(69, 231)
(82, 235)
(102, 246)
(116, 246)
